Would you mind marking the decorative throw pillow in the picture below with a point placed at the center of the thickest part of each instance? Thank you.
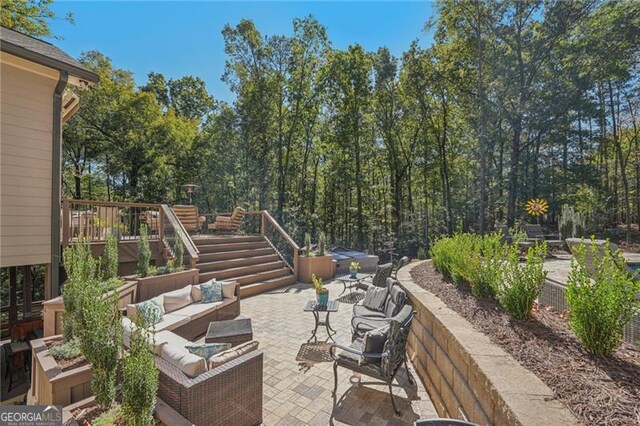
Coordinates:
(375, 298)
(211, 291)
(373, 342)
(150, 312)
(207, 350)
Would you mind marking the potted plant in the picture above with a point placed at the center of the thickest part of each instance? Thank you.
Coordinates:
(354, 268)
(322, 293)
(316, 262)
(155, 280)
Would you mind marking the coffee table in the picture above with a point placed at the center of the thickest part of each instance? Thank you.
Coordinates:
(313, 307)
(235, 331)
(350, 282)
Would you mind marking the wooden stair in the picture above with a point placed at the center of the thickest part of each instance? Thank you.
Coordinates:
(250, 260)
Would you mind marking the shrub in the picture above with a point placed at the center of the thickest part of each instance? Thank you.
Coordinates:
(493, 253)
(422, 253)
(307, 245)
(110, 258)
(518, 285)
(178, 251)
(322, 244)
(140, 379)
(144, 252)
(100, 334)
(601, 307)
(571, 223)
(67, 350)
(81, 269)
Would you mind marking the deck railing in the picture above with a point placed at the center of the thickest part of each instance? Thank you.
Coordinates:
(171, 229)
(280, 241)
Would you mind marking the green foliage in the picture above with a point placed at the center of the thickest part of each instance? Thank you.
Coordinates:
(422, 253)
(322, 244)
(30, 17)
(68, 350)
(307, 245)
(81, 270)
(520, 283)
(100, 335)
(178, 251)
(140, 379)
(600, 307)
(111, 417)
(571, 223)
(144, 252)
(318, 284)
(110, 258)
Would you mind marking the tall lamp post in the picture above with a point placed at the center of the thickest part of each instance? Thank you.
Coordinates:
(191, 189)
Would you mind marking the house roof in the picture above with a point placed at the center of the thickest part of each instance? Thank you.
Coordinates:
(43, 53)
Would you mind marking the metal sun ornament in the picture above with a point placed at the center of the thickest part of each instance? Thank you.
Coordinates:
(537, 207)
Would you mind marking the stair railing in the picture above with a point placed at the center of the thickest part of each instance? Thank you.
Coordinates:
(282, 243)
(171, 229)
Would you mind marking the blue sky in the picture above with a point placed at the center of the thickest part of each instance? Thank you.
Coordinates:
(184, 38)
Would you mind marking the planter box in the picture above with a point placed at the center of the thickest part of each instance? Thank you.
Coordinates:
(52, 386)
(164, 414)
(149, 287)
(322, 266)
(53, 308)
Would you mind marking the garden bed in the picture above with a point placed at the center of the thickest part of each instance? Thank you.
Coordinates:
(597, 390)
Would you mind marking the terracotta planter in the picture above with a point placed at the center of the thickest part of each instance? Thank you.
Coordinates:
(322, 266)
(149, 287)
(53, 308)
(52, 386)
(164, 414)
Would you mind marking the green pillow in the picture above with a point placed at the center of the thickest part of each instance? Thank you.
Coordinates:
(207, 350)
(150, 312)
(211, 291)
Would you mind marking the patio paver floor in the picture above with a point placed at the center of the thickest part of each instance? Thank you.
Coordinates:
(297, 393)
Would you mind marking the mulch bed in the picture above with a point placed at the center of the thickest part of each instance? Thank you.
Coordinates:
(603, 391)
(67, 364)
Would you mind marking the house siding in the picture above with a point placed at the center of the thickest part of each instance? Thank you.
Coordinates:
(26, 123)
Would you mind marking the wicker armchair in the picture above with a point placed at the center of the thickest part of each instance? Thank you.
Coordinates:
(227, 395)
(389, 360)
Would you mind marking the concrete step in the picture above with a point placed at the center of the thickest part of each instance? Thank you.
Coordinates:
(235, 254)
(226, 239)
(221, 265)
(249, 278)
(242, 271)
(217, 248)
(265, 286)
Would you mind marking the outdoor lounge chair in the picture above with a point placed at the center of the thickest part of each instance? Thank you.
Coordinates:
(380, 278)
(382, 365)
(365, 319)
(188, 216)
(535, 234)
(229, 223)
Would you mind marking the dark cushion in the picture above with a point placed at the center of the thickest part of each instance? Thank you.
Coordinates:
(395, 301)
(375, 298)
(363, 311)
(373, 342)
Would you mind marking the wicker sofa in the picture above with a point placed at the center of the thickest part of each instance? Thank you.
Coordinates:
(206, 392)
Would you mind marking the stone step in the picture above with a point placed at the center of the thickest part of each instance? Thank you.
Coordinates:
(220, 265)
(218, 248)
(235, 254)
(249, 278)
(265, 286)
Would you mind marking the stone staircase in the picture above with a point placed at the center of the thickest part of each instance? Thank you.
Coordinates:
(249, 260)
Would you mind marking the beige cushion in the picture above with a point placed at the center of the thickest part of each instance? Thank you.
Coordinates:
(132, 308)
(177, 299)
(197, 310)
(190, 364)
(154, 343)
(166, 337)
(231, 354)
(229, 289)
(196, 293)
(171, 322)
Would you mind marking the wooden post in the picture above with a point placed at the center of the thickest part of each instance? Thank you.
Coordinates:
(66, 229)
(295, 262)
(263, 223)
(13, 299)
(47, 282)
(26, 292)
(160, 224)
